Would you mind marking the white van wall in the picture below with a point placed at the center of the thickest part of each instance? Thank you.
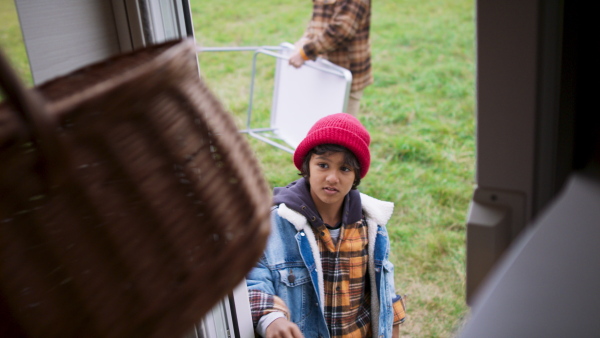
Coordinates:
(63, 35)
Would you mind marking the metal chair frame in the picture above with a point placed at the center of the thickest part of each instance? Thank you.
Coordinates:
(273, 134)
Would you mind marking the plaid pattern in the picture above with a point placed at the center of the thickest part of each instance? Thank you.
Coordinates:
(346, 281)
(263, 303)
(399, 311)
(339, 32)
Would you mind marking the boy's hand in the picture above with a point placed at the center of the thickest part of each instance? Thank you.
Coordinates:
(283, 328)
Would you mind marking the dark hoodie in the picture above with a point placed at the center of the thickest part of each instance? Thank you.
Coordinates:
(296, 196)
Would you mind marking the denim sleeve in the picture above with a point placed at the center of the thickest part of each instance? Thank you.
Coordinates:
(261, 293)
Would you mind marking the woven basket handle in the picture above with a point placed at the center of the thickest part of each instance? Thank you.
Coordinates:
(30, 108)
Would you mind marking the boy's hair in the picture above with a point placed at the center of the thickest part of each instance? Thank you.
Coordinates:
(349, 159)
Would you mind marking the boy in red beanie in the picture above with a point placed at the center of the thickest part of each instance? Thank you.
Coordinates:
(325, 271)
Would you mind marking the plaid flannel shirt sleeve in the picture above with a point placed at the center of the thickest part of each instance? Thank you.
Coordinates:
(399, 310)
(262, 303)
(341, 27)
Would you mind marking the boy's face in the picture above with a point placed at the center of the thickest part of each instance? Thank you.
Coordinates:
(330, 179)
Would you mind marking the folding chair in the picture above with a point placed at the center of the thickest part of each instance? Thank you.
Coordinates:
(300, 96)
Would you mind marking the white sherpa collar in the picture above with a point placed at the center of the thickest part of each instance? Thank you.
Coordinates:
(379, 211)
(292, 216)
(376, 210)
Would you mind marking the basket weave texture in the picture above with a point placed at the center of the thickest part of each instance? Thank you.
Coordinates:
(129, 202)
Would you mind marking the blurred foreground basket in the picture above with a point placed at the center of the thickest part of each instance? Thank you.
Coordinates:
(129, 202)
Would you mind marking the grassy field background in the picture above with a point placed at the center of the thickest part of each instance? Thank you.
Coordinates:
(11, 40)
(419, 111)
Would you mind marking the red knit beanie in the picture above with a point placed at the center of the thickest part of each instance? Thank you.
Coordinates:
(341, 129)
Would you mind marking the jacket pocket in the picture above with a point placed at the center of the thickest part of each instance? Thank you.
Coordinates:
(295, 288)
(292, 277)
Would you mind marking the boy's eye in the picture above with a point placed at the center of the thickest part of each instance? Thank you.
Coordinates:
(322, 165)
(346, 169)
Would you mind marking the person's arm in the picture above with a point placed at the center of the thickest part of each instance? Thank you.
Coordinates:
(347, 18)
(271, 316)
(298, 58)
(300, 43)
(399, 315)
(396, 331)
(283, 328)
(263, 300)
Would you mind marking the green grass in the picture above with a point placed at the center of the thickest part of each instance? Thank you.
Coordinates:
(11, 41)
(420, 112)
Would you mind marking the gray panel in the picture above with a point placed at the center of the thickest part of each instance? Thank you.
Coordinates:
(494, 219)
(506, 95)
(554, 123)
(547, 285)
(507, 107)
(521, 150)
(63, 35)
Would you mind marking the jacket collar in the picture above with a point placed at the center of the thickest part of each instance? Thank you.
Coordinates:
(296, 196)
(375, 210)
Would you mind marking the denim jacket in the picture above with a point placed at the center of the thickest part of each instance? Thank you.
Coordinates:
(304, 293)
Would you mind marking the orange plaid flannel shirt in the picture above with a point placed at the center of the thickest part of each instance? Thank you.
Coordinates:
(339, 32)
(346, 282)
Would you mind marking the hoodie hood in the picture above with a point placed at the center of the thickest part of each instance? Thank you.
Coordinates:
(296, 196)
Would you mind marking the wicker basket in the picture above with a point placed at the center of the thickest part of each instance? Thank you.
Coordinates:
(129, 202)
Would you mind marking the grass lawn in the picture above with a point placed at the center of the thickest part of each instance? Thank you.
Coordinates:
(419, 111)
(11, 40)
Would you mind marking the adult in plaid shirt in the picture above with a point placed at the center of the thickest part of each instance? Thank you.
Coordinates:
(325, 271)
(339, 31)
